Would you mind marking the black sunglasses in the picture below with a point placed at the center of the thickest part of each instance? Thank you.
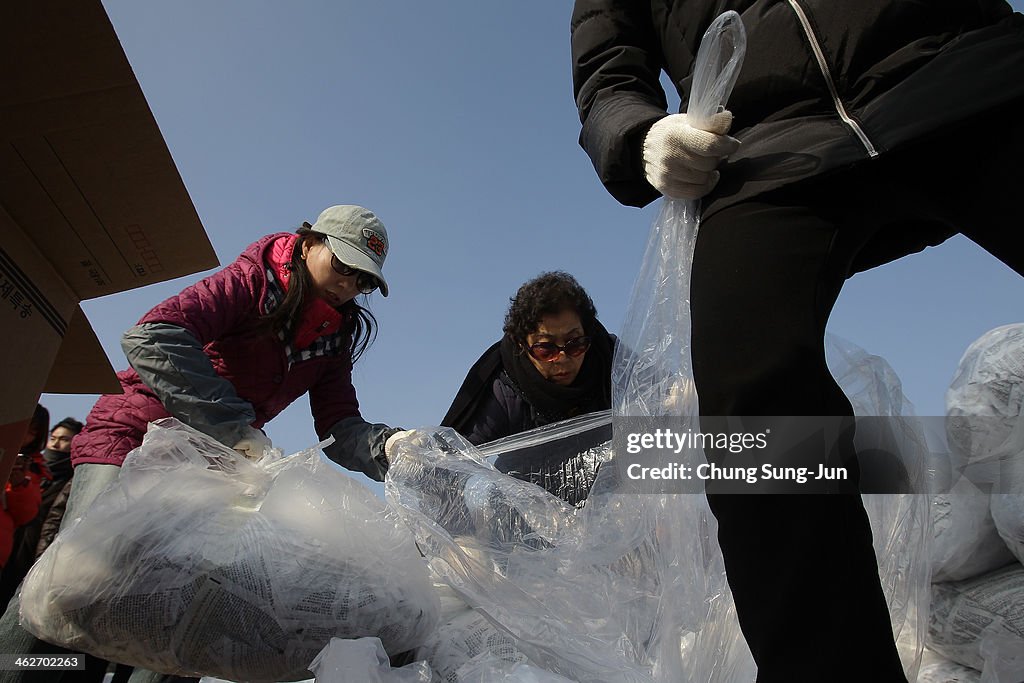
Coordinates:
(365, 282)
(548, 351)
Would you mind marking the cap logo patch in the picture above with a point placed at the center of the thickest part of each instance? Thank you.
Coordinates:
(375, 243)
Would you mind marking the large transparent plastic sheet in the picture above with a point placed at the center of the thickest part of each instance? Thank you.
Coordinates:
(197, 561)
(563, 458)
(630, 585)
(632, 588)
(901, 525)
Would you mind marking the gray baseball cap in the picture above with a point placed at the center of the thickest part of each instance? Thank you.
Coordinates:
(357, 237)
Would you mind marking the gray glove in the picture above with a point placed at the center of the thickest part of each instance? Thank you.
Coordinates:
(359, 446)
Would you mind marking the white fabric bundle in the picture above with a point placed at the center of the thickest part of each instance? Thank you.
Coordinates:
(197, 561)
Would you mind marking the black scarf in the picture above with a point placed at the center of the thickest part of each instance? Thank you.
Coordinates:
(58, 463)
(590, 391)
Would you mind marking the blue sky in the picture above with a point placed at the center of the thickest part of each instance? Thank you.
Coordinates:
(455, 122)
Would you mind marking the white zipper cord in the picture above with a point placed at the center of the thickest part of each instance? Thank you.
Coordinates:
(823, 65)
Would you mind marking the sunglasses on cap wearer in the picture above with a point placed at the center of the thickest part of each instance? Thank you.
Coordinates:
(548, 351)
(365, 282)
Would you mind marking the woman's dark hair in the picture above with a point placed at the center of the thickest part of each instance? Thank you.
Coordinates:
(547, 294)
(68, 423)
(360, 325)
(40, 426)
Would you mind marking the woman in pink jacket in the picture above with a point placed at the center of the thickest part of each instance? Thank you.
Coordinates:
(230, 352)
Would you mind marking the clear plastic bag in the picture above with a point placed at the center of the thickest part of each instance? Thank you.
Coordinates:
(563, 461)
(979, 623)
(529, 562)
(489, 670)
(966, 542)
(983, 407)
(464, 636)
(985, 398)
(651, 368)
(938, 669)
(197, 561)
(363, 660)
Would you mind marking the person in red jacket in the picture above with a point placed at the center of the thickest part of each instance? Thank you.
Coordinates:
(26, 481)
(229, 353)
(22, 496)
(235, 349)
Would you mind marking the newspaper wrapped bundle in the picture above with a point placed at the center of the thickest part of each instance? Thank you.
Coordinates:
(465, 638)
(977, 611)
(364, 660)
(937, 669)
(197, 561)
(983, 408)
(980, 623)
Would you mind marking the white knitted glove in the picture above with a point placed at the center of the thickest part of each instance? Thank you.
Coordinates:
(253, 444)
(680, 160)
(680, 398)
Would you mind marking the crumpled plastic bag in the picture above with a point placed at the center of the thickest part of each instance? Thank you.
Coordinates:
(966, 542)
(495, 671)
(985, 398)
(986, 434)
(1004, 658)
(464, 636)
(979, 623)
(519, 556)
(1008, 517)
(363, 660)
(197, 561)
(561, 461)
(937, 669)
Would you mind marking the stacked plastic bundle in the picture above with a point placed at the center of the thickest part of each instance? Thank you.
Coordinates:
(363, 660)
(977, 614)
(464, 640)
(198, 561)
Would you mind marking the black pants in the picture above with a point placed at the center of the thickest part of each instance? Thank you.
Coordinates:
(766, 276)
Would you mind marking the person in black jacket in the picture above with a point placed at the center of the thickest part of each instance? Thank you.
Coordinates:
(57, 456)
(861, 133)
(553, 363)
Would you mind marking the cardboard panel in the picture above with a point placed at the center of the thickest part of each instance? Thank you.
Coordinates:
(81, 366)
(83, 162)
(35, 307)
(91, 202)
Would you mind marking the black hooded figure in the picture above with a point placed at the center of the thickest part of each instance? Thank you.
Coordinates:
(552, 363)
(862, 132)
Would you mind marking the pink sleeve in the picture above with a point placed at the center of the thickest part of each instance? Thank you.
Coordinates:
(216, 304)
